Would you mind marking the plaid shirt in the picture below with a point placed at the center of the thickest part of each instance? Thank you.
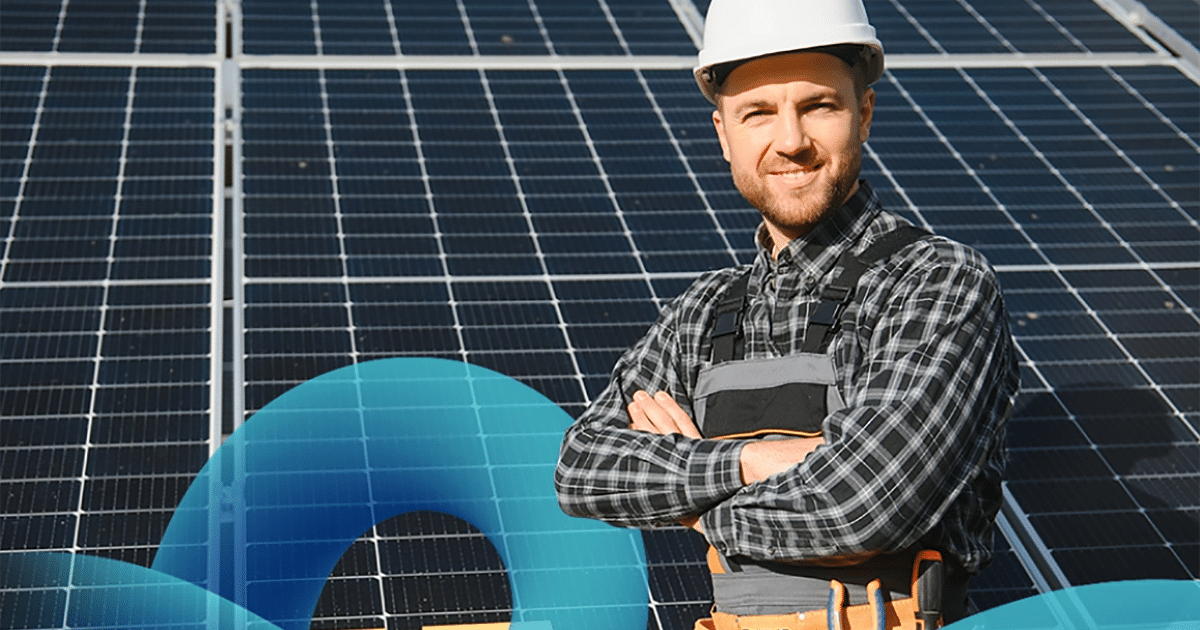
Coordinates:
(925, 363)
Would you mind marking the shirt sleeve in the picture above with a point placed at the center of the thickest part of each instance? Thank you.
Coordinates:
(926, 408)
(630, 478)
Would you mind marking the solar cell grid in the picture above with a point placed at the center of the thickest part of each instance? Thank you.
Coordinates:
(480, 27)
(29, 25)
(103, 28)
(84, 166)
(105, 368)
(501, 28)
(283, 353)
(1051, 26)
(578, 28)
(115, 27)
(72, 403)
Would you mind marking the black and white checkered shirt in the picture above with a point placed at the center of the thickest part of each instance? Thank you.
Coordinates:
(925, 363)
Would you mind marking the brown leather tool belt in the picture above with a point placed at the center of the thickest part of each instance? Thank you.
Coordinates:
(921, 611)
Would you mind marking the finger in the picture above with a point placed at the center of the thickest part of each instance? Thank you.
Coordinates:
(680, 417)
(656, 415)
(637, 418)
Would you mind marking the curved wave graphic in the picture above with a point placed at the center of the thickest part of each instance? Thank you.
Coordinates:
(1125, 605)
(271, 513)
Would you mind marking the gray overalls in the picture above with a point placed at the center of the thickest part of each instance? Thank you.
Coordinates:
(782, 397)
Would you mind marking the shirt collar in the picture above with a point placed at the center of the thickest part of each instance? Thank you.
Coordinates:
(817, 251)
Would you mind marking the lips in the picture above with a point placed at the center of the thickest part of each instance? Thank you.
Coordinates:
(794, 175)
(794, 167)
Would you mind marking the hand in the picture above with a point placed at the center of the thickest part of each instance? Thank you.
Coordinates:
(763, 458)
(660, 414)
(692, 523)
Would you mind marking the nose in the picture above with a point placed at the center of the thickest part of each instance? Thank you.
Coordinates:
(790, 137)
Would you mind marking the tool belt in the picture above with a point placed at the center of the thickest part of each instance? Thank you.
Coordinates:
(921, 611)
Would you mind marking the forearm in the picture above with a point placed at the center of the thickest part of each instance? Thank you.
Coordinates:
(638, 479)
(762, 459)
(820, 509)
(840, 504)
(625, 467)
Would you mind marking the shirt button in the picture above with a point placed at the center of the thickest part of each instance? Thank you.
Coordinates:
(810, 282)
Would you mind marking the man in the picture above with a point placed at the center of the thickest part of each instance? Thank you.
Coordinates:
(836, 409)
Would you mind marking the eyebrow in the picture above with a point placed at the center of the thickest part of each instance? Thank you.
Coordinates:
(759, 104)
(819, 95)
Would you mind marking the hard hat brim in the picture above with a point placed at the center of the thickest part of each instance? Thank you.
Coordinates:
(710, 85)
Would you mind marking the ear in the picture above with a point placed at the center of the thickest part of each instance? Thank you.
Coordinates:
(866, 109)
(720, 127)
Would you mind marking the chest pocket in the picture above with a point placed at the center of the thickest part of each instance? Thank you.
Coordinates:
(787, 396)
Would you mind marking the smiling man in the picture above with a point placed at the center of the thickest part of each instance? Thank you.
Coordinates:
(831, 416)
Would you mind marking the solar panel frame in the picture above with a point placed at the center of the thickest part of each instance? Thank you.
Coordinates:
(1180, 15)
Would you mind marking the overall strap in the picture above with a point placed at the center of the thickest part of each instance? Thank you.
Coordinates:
(726, 333)
(825, 316)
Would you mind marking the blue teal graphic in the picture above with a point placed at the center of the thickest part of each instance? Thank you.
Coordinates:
(289, 492)
(1140, 605)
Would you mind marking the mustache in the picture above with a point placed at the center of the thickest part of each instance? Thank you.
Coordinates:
(806, 159)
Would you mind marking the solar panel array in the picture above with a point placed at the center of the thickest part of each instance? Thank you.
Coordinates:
(522, 186)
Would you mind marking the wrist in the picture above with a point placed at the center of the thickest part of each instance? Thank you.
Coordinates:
(716, 463)
(760, 459)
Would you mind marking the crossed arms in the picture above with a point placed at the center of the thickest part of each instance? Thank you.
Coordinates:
(759, 459)
(920, 442)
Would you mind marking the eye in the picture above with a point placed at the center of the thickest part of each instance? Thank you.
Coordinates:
(755, 113)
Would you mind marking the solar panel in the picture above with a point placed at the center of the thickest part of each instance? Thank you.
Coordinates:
(445, 179)
(107, 304)
(149, 26)
(1106, 207)
(434, 564)
(473, 27)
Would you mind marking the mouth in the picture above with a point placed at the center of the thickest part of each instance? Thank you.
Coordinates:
(795, 174)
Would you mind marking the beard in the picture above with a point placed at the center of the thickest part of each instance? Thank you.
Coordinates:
(798, 211)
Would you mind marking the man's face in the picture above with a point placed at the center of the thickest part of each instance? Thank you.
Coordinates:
(792, 128)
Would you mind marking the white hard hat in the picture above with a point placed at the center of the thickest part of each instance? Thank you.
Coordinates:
(740, 30)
